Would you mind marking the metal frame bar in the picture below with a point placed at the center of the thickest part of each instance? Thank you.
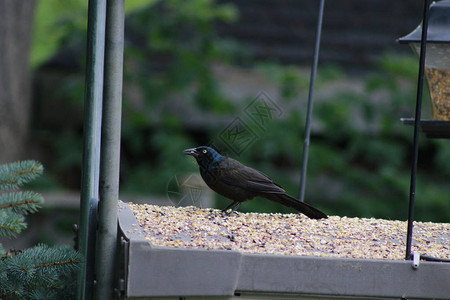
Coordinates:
(312, 85)
(91, 150)
(105, 264)
(415, 149)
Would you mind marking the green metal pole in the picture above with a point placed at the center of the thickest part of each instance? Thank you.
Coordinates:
(91, 149)
(105, 263)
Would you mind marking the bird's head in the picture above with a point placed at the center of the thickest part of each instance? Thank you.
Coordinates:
(204, 155)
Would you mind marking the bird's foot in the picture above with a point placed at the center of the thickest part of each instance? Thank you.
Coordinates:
(228, 212)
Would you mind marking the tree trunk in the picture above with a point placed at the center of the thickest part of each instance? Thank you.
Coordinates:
(16, 23)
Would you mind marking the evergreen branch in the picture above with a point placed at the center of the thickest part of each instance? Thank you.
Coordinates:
(62, 258)
(8, 227)
(21, 202)
(57, 263)
(16, 174)
(32, 170)
(41, 272)
(11, 224)
(40, 294)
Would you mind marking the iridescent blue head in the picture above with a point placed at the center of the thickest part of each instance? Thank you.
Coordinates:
(206, 156)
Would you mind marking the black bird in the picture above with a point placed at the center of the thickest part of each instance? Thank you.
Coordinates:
(240, 183)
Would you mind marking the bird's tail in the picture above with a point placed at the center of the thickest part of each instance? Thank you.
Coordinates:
(302, 207)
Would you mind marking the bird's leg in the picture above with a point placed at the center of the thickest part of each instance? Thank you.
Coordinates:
(229, 206)
(234, 206)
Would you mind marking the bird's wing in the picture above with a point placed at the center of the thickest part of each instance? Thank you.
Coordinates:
(237, 174)
(265, 187)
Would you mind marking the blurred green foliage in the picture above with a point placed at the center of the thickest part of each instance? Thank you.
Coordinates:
(56, 22)
(174, 49)
(359, 162)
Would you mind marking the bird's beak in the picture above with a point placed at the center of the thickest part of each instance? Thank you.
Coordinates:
(191, 151)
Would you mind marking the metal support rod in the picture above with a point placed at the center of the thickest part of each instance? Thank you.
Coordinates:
(415, 148)
(105, 263)
(91, 149)
(312, 85)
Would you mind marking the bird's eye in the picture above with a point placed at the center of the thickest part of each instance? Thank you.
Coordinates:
(204, 151)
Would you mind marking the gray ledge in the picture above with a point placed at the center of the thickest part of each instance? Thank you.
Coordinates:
(150, 271)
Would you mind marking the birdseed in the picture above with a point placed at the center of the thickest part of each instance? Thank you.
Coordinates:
(439, 82)
(288, 234)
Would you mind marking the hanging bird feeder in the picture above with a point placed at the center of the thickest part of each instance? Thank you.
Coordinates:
(437, 67)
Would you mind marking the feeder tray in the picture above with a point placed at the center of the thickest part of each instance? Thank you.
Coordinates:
(148, 270)
(432, 128)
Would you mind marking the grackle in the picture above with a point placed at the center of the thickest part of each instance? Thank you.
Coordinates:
(240, 183)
